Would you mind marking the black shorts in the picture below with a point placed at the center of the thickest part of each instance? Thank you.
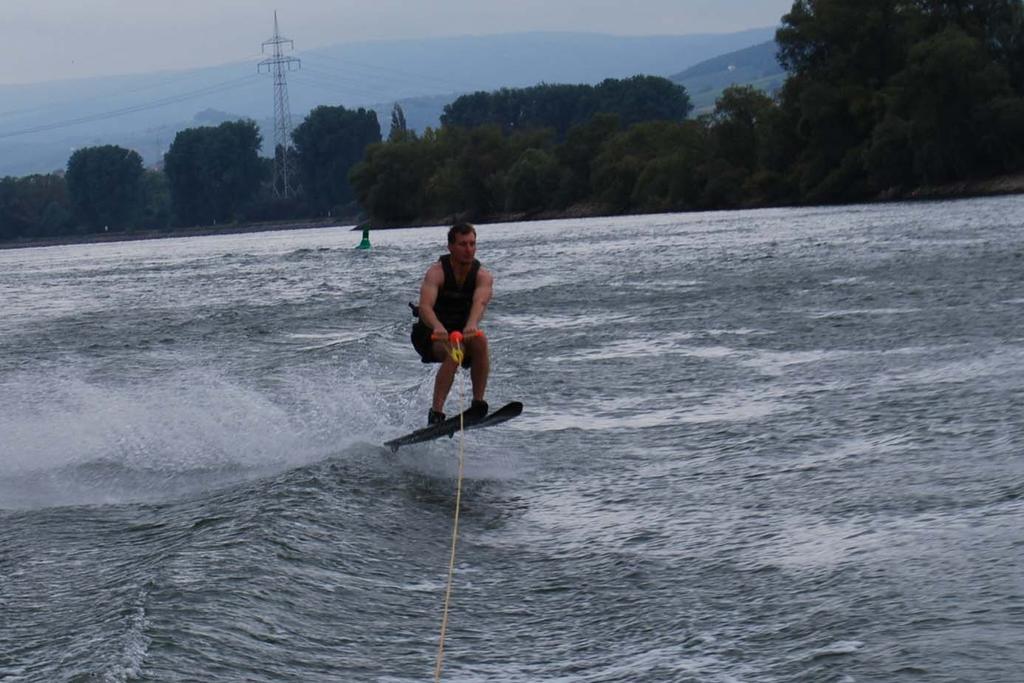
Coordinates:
(425, 346)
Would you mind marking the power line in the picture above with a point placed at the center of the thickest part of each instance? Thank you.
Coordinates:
(114, 113)
(101, 96)
(405, 76)
(339, 86)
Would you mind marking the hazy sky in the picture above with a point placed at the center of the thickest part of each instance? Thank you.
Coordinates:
(55, 39)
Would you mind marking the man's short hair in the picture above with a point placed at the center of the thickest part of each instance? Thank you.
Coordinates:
(460, 229)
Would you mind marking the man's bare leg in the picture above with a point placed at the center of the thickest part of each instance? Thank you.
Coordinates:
(444, 378)
(480, 369)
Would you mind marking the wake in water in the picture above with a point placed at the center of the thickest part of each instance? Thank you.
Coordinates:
(76, 441)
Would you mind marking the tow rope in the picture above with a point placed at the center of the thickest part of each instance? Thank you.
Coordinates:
(457, 355)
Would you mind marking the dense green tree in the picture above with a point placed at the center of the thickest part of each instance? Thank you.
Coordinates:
(532, 181)
(399, 128)
(997, 24)
(442, 194)
(106, 187)
(449, 172)
(890, 157)
(749, 151)
(213, 172)
(390, 181)
(642, 98)
(839, 54)
(948, 83)
(482, 155)
(553, 106)
(329, 142)
(1001, 141)
(11, 225)
(34, 206)
(636, 153)
(560, 107)
(577, 153)
(156, 211)
(722, 184)
(740, 124)
(897, 93)
(57, 219)
(846, 41)
(669, 182)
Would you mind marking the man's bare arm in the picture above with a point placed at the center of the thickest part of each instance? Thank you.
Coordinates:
(481, 297)
(432, 283)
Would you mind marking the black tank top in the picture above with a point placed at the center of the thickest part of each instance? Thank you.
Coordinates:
(454, 302)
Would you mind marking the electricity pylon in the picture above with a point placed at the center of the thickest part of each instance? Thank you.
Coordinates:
(279, 65)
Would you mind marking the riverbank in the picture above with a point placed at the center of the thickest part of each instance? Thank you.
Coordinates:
(228, 229)
(1001, 185)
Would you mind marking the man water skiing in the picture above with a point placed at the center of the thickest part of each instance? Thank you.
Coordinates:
(454, 295)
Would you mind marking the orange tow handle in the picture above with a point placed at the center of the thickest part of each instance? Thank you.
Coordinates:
(455, 340)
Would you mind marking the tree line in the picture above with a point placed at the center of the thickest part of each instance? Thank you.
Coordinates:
(210, 176)
(882, 96)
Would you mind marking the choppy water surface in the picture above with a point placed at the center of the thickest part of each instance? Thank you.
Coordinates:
(758, 446)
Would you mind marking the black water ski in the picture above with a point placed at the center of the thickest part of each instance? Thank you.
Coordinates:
(502, 414)
(436, 431)
(470, 419)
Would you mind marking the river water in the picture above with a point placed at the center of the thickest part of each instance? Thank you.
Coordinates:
(776, 445)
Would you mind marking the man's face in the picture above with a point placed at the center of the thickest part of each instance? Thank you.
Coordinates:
(463, 249)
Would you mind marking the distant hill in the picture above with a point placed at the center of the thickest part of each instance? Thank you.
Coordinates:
(756, 66)
(41, 124)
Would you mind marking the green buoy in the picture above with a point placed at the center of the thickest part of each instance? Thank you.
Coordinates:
(365, 244)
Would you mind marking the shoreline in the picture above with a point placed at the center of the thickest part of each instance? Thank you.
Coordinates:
(199, 231)
(967, 189)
